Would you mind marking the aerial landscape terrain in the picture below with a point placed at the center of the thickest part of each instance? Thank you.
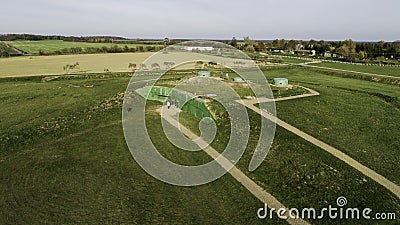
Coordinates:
(317, 117)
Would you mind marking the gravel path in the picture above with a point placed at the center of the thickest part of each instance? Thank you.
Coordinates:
(248, 183)
(335, 152)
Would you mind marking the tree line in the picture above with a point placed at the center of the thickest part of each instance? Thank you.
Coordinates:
(348, 49)
(34, 37)
(90, 39)
(103, 49)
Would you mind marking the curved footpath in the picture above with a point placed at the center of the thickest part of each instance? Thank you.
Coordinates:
(349, 71)
(249, 184)
(395, 189)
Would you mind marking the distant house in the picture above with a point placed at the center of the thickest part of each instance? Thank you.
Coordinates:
(329, 54)
(305, 52)
(278, 51)
(198, 48)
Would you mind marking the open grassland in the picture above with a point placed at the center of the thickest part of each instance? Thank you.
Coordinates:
(383, 70)
(293, 60)
(51, 46)
(80, 170)
(358, 117)
(299, 173)
(299, 75)
(64, 159)
(92, 178)
(6, 51)
(52, 65)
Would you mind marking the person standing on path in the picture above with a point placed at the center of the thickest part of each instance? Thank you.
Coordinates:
(168, 104)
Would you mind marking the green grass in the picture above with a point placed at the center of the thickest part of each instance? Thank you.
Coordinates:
(294, 60)
(82, 172)
(6, 50)
(300, 174)
(384, 70)
(283, 92)
(32, 109)
(51, 46)
(350, 115)
(86, 174)
(363, 126)
(355, 116)
(93, 178)
(298, 75)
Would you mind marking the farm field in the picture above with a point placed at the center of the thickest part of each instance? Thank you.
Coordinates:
(383, 70)
(66, 159)
(51, 46)
(53, 65)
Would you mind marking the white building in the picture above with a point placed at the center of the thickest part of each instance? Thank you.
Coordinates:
(191, 48)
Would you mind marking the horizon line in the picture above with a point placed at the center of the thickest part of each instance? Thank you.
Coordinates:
(193, 39)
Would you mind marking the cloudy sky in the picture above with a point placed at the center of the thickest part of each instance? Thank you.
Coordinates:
(206, 19)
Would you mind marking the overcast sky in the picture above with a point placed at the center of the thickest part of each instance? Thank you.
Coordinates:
(206, 19)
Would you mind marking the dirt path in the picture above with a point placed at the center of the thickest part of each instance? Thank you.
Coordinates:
(350, 71)
(248, 183)
(307, 64)
(16, 50)
(335, 152)
(260, 100)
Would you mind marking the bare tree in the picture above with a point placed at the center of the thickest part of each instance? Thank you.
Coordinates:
(199, 65)
(69, 67)
(169, 65)
(132, 66)
(143, 66)
(155, 66)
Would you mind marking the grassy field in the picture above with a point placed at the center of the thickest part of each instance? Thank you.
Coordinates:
(64, 159)
(293, 60)
(6, 51)
(384, 70)
(298, 75)
(302, 175)
(299, 173)
(52, 65)
(80, 170)
(50, 46)
(353, 115)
